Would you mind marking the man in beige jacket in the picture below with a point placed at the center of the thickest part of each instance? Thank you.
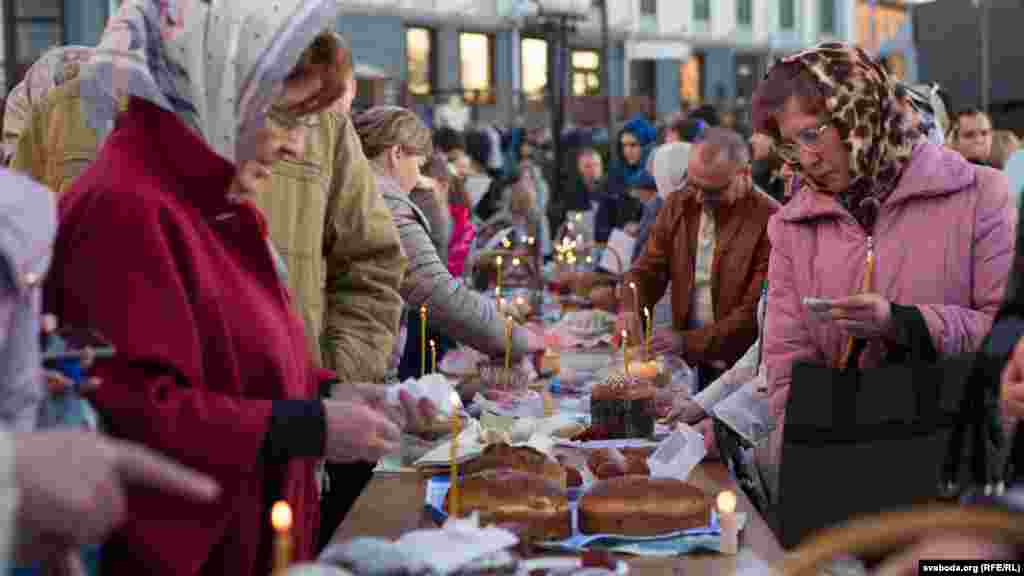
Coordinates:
(345, 264)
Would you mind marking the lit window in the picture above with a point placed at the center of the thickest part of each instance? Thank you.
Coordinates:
(690, 82)
(419, 44)
(586, 73)
(476, 59)
(534, 60)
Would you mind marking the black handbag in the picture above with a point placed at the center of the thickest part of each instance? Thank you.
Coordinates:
(859, 441)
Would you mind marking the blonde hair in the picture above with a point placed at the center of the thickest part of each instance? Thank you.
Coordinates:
(382, 127)
(1004, 144)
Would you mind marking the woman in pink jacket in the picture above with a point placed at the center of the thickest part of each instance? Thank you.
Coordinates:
(883, 224)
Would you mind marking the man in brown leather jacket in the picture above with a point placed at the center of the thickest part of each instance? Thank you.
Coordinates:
(710, 240)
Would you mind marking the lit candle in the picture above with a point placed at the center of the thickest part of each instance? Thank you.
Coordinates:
(729, 537)
(453, 491)
(499, 261)
(530, 240)
(636, 298)
(508, 343)
(590, 259)
(281, 521)
(625, 351)
(515, 262)
(647, 338)
(506, 243)
(579, 217)
(433, 356)
(423, 341)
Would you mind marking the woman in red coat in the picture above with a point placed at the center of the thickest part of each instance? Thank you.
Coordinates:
(160, 251)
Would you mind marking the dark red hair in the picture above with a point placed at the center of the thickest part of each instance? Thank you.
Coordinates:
(785, 81)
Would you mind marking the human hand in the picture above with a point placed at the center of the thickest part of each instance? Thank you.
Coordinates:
(684, 409)
(1011, 386)
(61, 511)
(866, 316)
(667, 341)
(356, 432)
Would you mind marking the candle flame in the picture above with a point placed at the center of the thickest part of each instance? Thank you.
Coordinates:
(590, 260)
(625, 335)
(727, 502)
(647, 312)
(530, 240)
(499, 260)
(632, 285)
(520, 301)
(423, 310)
(281, 516)
(433, 344)
(456, 401)
(579, 217)
(515, 261)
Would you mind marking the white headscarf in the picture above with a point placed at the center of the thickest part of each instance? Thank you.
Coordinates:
(668, 166)
(55, 67)
(217, 65)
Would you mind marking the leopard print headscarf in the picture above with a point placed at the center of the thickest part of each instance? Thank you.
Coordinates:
(864, 108)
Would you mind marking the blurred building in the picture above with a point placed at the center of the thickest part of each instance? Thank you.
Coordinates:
(421, 52)
(948, 40)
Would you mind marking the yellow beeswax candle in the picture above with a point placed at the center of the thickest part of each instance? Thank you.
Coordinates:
(423, 341)
(281, 521)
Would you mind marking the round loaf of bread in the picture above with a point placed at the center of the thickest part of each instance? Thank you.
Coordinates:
(642, 506)
(521, 458)
(512, 496)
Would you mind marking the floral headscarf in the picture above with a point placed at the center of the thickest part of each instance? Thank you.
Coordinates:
(862, 105)
(217, 65)
(54, 68)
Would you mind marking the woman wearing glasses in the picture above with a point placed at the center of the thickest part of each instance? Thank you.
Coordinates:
(885, 228)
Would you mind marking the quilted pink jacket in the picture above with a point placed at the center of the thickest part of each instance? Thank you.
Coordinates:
(943, 243)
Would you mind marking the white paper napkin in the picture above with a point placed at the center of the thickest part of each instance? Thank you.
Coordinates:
(678, 454)
(458, 543)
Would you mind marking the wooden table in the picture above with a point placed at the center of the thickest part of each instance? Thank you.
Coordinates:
(392, 505)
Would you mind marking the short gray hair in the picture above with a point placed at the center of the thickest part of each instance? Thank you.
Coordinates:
(722, 144)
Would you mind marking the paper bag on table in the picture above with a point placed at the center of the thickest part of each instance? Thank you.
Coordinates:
(678, 454)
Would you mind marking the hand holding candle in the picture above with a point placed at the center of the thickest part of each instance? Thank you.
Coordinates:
(729, 538)
(281, 521)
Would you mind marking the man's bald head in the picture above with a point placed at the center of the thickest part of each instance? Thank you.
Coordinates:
(716, 161)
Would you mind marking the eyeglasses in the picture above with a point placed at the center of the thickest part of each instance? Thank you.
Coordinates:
(809, 138)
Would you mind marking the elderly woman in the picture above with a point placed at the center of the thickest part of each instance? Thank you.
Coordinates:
(860, 229)
(212, 365)
(397, 144)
